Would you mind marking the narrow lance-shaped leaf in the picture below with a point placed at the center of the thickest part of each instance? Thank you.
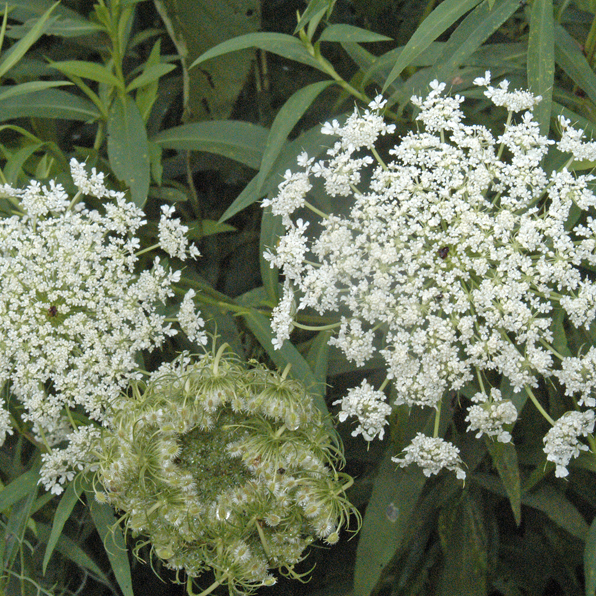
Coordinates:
(349, 33)
(472, 32)
(19, 49)
(240, 141)
(284, 122)
(128, 147)
(541, 60)
(590, 560)
(570, 58)
(88, 70)
(52, 103)
(113, 541)
(437, 22)
(276, 43)
(67, 502)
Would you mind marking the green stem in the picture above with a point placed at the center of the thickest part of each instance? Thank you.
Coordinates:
(437, 420)
(538, 406)
(315, 210)
(316, 328)
(146, 250)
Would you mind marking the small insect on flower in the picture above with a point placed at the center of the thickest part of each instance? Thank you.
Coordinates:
(443, 252)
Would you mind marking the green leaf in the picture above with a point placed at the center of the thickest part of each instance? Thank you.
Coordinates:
(317, 356)
(541, 60)
(465, 551)
(559, 509)
(312, 141)
(113, 541)
(13, 169)
(590, 560)
(570, 58)
(504, 458)
(32, 86)
(349, 33)
(472, 32)
(19, 49)
(394, 496)
(276, 43)
(312, 11)
(284, 122)
(16, 526)
(271, 230)
(287, 354)
(128, 148)
(67, 502)
(71, 550)
(20, 487)
(240, 141)
(149, 75)
(88, 70)
(211, 91)
(437, 22)
(68, 24)
(50, 103)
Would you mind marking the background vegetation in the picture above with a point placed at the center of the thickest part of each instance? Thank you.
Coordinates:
(205, 103)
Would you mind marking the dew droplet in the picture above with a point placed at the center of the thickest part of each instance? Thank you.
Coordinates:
(392, 512)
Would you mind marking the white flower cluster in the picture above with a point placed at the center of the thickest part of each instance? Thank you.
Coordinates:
(561, 442)
(432, 454)
(489, 417)
(73, 313)
(369, 406)
(453, 256)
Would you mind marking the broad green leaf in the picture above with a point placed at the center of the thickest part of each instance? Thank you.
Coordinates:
(67, 502)
(437, 22)
(20, 487)
(25, 88)
(504, 458)
(271, 230)
(210, 91)
(276, 43)
(349, 33)
(284, 122)
(88, 70)
(558, 508)
(50, 103)
(149, 75)
(240, 141)
(541, 60)
(590, 560)
(571, 59)
(465, 551)
(394, 496)
(287, 354)
(19, 49)
(128, 148)
(113, 541)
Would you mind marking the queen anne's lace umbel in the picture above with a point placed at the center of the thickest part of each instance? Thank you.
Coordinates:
(74, 313)
(452, 258)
